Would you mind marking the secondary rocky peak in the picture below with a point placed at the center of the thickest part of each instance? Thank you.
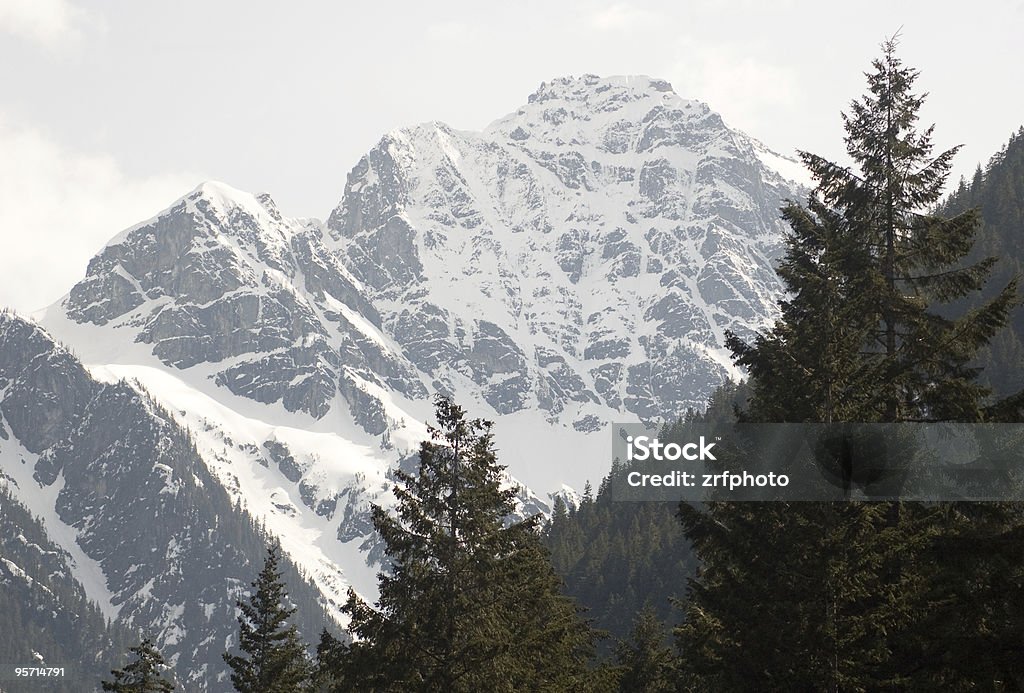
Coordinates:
(221, 277)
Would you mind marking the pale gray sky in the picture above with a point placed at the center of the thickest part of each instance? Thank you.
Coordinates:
(111, 109)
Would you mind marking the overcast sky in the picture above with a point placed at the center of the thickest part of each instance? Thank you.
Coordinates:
(111, 109)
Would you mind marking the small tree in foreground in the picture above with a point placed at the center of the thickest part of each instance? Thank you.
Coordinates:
(647, 664)
(274, 659)
(142, 674)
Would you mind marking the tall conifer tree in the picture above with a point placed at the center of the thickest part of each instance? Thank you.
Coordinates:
(924, 358)
(812, 596)
(469, 601)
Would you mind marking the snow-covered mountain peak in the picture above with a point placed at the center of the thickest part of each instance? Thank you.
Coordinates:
(611, 114)
(582, 256)
(580, 259)
(602, 93)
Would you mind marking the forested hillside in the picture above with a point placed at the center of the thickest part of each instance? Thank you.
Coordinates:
(997, 191)
(618, 557)
(47, 618)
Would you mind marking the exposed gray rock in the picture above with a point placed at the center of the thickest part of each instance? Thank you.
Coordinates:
(222, 277)
(282, 457)
(174, 553)
(665, 225)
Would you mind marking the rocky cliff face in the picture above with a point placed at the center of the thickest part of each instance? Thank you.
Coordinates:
(222, 278)
(582, 256)
(128, 505)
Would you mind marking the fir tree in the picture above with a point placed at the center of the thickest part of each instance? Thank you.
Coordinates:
(813, 596)
(812, 365)
(923, 358)
(469, 602)
(274, 659)
(143, 674)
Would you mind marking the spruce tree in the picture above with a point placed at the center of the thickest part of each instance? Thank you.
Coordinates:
(805, 596)
(924, 358)
(143, 674)
(274, 658)
(469, 601)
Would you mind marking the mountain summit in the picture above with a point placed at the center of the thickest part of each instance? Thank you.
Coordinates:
(582, 256)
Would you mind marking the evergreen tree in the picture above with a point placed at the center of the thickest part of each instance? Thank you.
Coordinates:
(274, 659)
(142, 674)
(330, 664)
(806, 596)
(812, 366)
(923, 357)
(646, 663)
(469, 601)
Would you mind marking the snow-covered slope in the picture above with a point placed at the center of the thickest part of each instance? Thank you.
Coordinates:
(147, 531)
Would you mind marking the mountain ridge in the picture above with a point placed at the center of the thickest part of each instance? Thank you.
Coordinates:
(576, 262)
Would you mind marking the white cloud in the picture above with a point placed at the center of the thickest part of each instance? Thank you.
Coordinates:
(744, 87)
(623, 17)
(58, 208)
(47, 22)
